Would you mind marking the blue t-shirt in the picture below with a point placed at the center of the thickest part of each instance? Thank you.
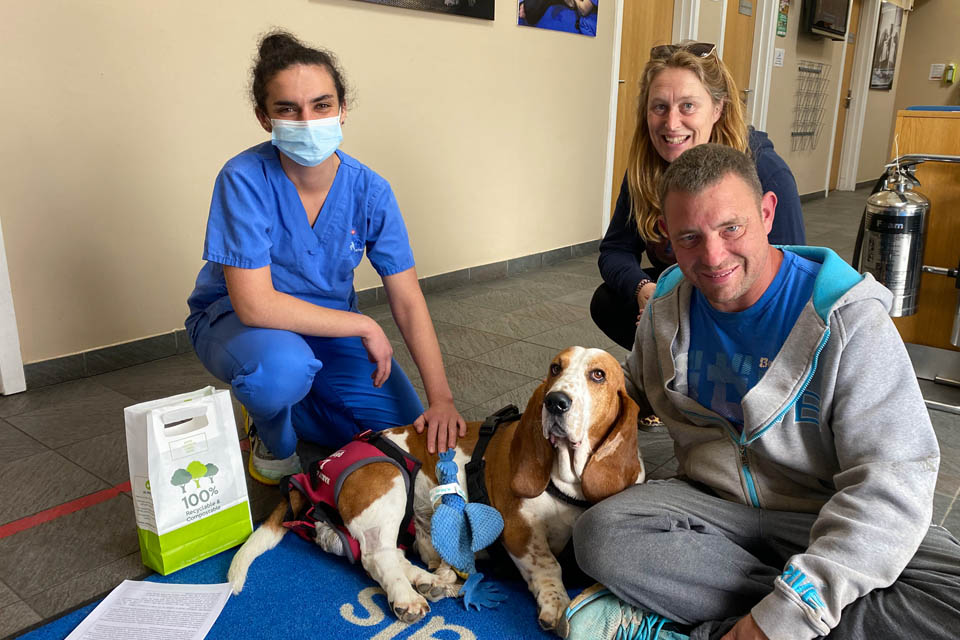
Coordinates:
(257, 219)
(730, 352)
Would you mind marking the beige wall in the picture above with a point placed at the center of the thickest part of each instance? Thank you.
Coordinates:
(119, 113)
(931, 38)
(809, 166)
(880, 117)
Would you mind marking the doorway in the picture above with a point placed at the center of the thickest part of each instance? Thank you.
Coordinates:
(737, 51)
(846, 97)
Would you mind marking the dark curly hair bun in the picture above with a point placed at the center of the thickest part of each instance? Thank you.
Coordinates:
(279, 50)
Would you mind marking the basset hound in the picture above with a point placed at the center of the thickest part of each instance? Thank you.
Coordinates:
(578, 434)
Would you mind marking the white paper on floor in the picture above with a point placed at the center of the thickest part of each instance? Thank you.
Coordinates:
(152, 611)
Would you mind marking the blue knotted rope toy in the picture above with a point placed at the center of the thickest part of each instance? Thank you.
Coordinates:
(459, 529)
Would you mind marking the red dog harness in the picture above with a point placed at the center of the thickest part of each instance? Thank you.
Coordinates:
(324, 479)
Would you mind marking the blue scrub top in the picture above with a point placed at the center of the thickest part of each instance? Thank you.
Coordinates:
(257, 219)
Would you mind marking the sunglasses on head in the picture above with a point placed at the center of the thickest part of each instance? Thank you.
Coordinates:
(699, 49)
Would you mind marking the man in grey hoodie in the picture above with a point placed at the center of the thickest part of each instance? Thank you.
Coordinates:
(807, 460)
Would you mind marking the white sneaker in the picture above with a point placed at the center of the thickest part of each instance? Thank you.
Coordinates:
(265, 467)
(597, 614)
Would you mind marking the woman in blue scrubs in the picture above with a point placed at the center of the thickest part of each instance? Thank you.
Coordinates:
(274, 312)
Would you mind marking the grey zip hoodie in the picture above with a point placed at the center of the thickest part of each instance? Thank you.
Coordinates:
(836, 426)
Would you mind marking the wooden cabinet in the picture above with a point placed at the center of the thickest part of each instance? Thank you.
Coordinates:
(934, 132)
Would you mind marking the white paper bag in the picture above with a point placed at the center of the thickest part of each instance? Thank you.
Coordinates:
(187, 479)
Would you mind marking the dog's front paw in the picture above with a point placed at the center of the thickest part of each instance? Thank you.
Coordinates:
(435, 591)
(410, 612)
(552, 607)
(431, 591)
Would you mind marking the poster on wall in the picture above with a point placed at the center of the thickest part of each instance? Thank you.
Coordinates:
(471, 8)
(572, 16)
(885, 46)
(782, 18)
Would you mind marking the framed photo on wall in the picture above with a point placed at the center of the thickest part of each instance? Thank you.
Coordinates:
(885, 46)
(471, 8)
(572, 16)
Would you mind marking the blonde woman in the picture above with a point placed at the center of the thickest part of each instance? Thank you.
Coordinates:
(687, 98)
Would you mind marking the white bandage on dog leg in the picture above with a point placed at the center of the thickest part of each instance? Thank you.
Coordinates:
(372, 539)
(329, 540)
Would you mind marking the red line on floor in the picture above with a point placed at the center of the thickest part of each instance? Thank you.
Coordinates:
(61, 510)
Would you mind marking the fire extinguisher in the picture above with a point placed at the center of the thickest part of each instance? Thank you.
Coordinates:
(891, 236)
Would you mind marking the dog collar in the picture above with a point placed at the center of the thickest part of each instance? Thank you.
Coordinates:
(553, 490)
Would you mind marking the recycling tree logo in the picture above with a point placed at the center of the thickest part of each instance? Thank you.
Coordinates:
(195, 471)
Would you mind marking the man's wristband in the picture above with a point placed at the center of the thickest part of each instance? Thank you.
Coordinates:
(640, 285)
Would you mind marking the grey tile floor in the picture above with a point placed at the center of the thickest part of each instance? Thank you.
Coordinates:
(63, 442)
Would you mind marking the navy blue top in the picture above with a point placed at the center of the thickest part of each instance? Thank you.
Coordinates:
(622, 248)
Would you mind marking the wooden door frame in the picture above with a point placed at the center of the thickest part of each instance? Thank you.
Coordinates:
(612, 117)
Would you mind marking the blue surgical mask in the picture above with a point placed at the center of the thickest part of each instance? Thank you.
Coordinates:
(307, 142)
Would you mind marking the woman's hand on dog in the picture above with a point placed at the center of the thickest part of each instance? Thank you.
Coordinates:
(444, 425)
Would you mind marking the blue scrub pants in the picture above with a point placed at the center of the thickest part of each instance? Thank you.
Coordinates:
(302, 387)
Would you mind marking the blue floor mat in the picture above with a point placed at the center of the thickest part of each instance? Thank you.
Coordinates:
(298, 591)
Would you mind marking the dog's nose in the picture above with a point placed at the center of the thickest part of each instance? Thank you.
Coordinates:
(557, 402)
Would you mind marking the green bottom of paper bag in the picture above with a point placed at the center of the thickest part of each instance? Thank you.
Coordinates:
(180, 548)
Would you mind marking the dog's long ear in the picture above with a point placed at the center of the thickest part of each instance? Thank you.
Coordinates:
(531, 455)
(615, 465)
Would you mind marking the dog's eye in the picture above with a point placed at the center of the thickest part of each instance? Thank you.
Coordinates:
(598, 375)
(555, 369)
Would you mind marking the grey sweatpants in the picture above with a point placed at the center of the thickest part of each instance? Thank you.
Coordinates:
(704, 561)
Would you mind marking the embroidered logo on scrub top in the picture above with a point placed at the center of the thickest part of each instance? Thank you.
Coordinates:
(356, 245)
